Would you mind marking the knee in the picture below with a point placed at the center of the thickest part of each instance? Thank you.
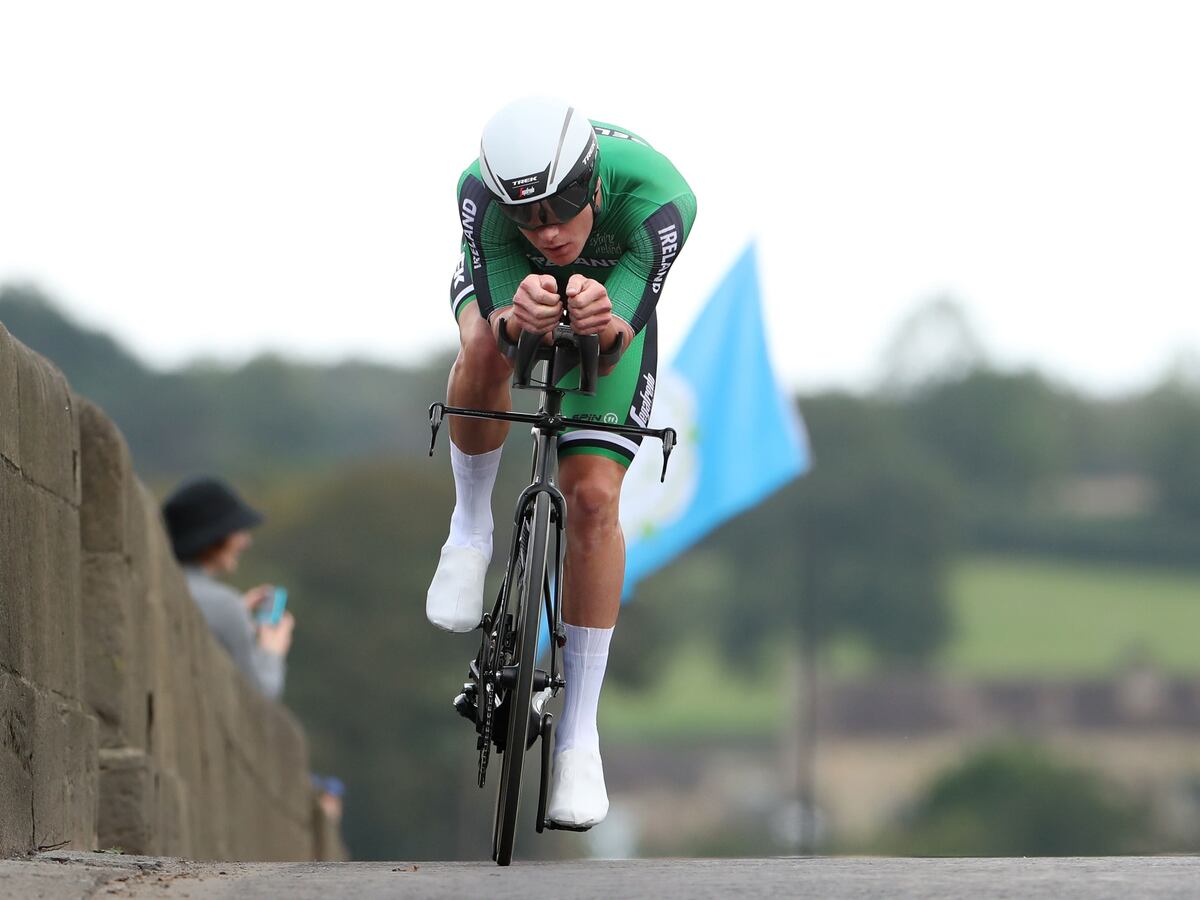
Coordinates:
(593, 502)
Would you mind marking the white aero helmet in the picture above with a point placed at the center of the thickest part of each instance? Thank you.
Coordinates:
(538, 158)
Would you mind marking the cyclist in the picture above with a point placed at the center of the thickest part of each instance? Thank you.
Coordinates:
(552, 192)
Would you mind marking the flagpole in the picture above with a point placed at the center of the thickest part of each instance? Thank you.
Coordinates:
(807, 719)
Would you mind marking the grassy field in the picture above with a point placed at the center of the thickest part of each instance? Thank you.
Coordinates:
(1017, 617)
(697, 695)
(1013, 617)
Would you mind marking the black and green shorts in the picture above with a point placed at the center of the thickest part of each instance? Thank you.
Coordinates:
(623, 397)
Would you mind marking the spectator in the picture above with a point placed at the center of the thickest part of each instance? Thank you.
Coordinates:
(209, 526)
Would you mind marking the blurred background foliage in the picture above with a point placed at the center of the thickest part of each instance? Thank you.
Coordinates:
(1020, 800)
(961, 519)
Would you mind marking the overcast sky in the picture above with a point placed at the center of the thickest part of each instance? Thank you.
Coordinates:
(218, 178)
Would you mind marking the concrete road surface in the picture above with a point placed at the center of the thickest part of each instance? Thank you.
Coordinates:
(98, 876)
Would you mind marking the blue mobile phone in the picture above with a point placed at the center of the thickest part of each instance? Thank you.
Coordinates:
(270, 612)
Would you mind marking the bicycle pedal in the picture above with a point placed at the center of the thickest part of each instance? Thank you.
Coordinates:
(465, 706)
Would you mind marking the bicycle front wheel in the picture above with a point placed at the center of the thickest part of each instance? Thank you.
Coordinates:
(528, 593)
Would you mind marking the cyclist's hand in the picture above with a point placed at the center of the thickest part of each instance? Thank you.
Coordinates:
(588, 304)
(536, 305)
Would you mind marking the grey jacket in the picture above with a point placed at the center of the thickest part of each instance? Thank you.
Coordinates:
(233, 626)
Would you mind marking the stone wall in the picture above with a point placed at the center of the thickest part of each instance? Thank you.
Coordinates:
(122, 722)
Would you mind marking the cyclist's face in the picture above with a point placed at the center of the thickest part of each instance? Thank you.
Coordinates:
(561, 244)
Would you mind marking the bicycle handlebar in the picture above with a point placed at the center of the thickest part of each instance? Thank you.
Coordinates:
(565, 350)
(551, 422)
(526, 355)
(589, 362)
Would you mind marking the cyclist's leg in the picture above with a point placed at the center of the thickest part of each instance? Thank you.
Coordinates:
(479, 378)
(594, 567)
(592, 467)
(592, 579)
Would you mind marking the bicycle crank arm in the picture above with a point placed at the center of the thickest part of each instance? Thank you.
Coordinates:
(546, 734)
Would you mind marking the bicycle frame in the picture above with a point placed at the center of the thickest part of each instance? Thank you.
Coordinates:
(548, 424)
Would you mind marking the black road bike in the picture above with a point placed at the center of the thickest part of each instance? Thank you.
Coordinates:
(503, 678)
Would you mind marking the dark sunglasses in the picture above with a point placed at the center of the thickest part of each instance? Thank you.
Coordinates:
(557, 209)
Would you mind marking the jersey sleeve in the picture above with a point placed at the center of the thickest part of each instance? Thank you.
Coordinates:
(462, 285)
(637, 280)
(494, 262)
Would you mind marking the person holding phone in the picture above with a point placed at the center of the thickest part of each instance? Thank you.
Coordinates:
(209, 526)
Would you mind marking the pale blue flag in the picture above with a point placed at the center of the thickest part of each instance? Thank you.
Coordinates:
(740, 438)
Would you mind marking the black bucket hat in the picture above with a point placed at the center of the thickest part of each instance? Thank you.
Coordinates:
(203, 512)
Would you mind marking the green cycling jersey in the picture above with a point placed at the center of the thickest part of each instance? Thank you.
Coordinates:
(645, 215)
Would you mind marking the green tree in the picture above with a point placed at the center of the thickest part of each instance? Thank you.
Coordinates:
(1173, 454)
(1003, 435)
(368, 676)
(269, 413)
(859, 546)
(1017, 800)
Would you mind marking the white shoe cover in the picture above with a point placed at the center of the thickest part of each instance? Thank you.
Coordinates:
(577, 794)
(455, 598)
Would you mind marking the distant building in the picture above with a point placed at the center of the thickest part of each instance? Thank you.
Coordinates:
(881, 741)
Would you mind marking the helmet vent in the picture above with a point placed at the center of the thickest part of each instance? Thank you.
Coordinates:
(561, 139)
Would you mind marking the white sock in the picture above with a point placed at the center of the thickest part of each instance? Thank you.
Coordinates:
(474, 478)
(584, 659)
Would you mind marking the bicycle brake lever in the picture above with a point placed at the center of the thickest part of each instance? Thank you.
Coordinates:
(436, 410)
(668, 444)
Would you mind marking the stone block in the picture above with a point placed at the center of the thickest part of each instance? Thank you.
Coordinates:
(49, 431)
(137, 542)
(55, 573)
(188, 724)
(114, 670)
(227, 688)
(128, 801)
(242, 808)
(288, 776)
(209, 800)
(172, 830)
(83, 780)
(159, 687)
(17, 507)
(16, 766)
(138, 552)
(65, 778)
(105, 475)
(39, 549)
(163, 572)
(252, 730)
(206, 788)
(289, 839)
(10, 433)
